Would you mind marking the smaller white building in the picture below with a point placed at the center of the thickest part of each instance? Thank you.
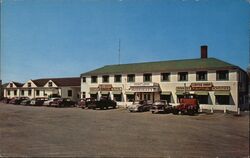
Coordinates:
(46, 87)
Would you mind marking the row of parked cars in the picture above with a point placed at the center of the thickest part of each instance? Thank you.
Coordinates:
(52, 102)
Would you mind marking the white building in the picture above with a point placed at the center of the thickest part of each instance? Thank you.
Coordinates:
(218, 84)
(64, 87)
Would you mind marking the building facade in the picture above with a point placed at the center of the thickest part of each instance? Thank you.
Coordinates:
(64, 87)
(217, 84)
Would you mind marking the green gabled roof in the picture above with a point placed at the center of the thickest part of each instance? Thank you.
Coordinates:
(163, 66)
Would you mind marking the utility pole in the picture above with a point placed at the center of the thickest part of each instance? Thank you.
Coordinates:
(119, 52)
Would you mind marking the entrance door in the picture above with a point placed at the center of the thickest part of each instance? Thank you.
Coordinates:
(147, 96)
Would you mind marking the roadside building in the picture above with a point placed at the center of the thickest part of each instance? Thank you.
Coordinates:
(218, 84)
(46, 87)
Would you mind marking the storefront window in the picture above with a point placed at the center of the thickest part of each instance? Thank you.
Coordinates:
(183, 76)
(147, 77)
(29, 92)
(222, 99)
(130, 97)
(118, 78)
(165, 76)
(117, 97)
(8, 92)
(93, 96)
(166, 98)
(201, 76)
(93, 79)
(203, 99)
(179, 97)
(222, 75)
(22, 92)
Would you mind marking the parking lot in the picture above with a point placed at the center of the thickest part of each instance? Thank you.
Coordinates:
(42, 131)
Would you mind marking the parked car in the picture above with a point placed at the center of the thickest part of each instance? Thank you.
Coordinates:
(139, 106)
(90, 103)
(25, 102)
(161, 106)
(81, 103)
(188, 105)
(105, 103)
(38, 101)
(63, 102)
(48, 102)
(6, 100)
(17, 100)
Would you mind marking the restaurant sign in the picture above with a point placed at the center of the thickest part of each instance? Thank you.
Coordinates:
(203, 87)
(105, 87)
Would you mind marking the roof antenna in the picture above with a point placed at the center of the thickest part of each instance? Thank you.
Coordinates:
(119, 51)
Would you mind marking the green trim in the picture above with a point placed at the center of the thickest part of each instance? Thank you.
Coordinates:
(104, 92)
(179, 93)
(93, 92)
(130, 93)
(166, 93)
(116, 92)
(222, 93)
(201, 93)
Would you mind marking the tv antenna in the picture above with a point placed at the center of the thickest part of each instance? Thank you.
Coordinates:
(119, 52)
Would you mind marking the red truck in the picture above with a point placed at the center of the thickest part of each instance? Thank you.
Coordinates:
(188, 105)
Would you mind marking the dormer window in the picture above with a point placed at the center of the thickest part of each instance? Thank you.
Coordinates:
(11, 85)
(29, 84)
(50, 84)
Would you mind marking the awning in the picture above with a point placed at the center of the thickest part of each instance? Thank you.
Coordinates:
(93, 92)
(201, 93)
(179, 93)
(166, 93)
(104, 92)
(222, 93)
(130, 93)
(116, 92)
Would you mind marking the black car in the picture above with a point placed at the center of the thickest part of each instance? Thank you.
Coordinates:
(18, 100)
(63, 102)
(106, 103)
(25, 102)
(37, 101)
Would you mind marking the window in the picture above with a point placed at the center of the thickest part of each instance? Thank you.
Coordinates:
(37, 92)
(29, 92)
(222, 99)
(130, 97)
(44, 93)
(15, 92)
(50, 84)
(8, 92)
(117, 97)
(183, 76)
(11, 85)
(69, 93)
(165, 76)
(201, 76)
(29, 84)
(222, 75)
(147, 77)
(22, 92)
(118, 78)
(166, 97)
(83, 94)
(131, 78)
(94, 96)
(105, 78)
(84, 79)
(93, 79)
(203, 99)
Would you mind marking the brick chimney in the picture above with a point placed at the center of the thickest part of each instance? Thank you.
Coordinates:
(204, 52)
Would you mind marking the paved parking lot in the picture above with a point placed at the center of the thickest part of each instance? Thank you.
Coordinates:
(43, 131)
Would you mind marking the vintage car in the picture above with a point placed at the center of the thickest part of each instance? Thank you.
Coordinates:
(49, 101)
(90, 103)
(103, 103)
(6, 100)
(139, 106)
(161, 106)
(25, 102)
(62, 102)
(81, 103)
(38, 101)
(17, 100)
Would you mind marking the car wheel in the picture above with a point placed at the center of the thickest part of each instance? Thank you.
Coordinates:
(152, 112)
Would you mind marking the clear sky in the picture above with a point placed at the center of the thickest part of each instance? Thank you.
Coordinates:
(60, 38)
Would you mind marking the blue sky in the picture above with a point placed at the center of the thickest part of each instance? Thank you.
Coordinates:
(60, 38)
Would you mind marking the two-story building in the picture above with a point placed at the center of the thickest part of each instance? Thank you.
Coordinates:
(64, 87)
(217, 84)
